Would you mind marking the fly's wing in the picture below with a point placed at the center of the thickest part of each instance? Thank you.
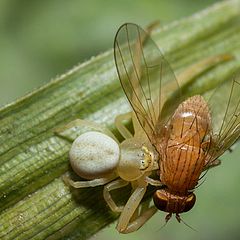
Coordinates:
(225, 111)
(146, 78)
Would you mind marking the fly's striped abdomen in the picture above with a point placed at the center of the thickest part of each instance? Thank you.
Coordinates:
(184, 158)
(181, 171)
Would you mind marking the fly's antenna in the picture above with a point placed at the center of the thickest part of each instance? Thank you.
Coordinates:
(167, 218)
(179, 219)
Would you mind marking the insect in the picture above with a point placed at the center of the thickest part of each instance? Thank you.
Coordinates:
(181, 131)
(97, 156)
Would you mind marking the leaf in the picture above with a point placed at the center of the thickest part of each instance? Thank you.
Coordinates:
(34, 201)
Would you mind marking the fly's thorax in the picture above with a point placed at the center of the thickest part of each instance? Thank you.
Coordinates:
(136, 159)
(169, 202)
(190, 118)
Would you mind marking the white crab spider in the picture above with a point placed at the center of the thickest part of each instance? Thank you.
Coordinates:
(97, 156)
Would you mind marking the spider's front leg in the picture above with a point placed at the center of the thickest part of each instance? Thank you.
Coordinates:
(121, 127)
(119, 183)
(89, 183)
(77, 127)
(130, 219)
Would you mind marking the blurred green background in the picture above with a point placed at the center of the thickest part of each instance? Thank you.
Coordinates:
(42, 39)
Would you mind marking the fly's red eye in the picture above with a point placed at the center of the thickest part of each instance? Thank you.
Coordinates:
(160, 201)
(189, 202)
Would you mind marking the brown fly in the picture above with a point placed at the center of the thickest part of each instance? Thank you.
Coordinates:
(189, 135)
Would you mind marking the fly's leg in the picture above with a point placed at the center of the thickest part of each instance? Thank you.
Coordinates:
(231, 148)
(119, 183)
(209, 163)
(212, 164)
(90, 183)
(77, 127)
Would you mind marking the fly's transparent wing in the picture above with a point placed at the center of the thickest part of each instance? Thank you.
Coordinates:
(225, 111)
(146, 78)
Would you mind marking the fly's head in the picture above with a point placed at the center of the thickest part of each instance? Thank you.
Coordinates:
(173, 203)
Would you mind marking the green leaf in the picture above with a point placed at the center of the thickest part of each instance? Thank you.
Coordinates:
(34, 201)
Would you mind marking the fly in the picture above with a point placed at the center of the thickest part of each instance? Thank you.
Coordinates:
(188, 134)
